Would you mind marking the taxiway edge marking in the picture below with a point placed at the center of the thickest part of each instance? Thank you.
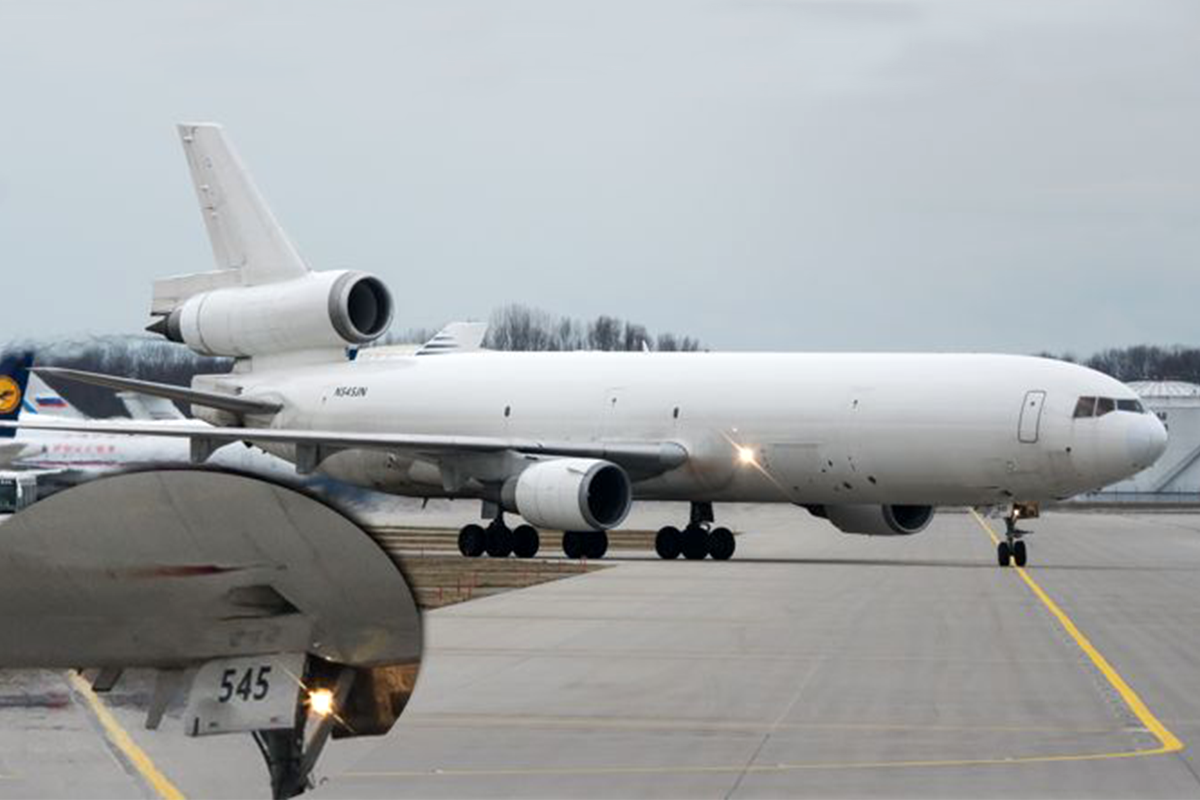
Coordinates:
(1168, 742)
(121, 739)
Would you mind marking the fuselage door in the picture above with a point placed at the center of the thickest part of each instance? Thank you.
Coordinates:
(1031, 416)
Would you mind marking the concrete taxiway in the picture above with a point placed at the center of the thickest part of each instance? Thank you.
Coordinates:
(813, 664)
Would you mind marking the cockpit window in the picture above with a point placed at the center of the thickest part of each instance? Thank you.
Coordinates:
(1099, 406)
(1086, 407)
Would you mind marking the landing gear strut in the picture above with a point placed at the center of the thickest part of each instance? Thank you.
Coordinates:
(290, 754)
(697, 540)
(1012, 549)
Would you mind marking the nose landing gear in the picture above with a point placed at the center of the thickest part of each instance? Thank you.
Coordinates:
(1012, 549)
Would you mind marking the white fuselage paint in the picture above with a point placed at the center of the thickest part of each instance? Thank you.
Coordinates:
(935, 429)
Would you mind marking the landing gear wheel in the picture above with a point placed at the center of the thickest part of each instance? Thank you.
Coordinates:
(525, 541)
(573, 544)
(471, 540)
(668, 543)
(499, 541)
(1003, 553)
(1018, 553)
(721, 544)
(596, 544)
(695, 543)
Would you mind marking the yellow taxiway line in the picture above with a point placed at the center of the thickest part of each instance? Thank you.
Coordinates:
(121, 739)
(1167, 741)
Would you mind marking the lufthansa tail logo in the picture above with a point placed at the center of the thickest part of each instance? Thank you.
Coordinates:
(10, 394)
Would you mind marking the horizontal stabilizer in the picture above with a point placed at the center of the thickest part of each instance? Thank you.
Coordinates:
(224, 402)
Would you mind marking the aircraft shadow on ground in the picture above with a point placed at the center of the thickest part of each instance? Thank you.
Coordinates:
(924, 563)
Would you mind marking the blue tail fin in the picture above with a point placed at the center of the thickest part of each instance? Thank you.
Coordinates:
(14, 375)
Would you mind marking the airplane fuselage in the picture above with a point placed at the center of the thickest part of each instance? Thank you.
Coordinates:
(936, 429)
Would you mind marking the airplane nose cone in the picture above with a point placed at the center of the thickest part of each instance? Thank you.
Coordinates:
(1147, 441)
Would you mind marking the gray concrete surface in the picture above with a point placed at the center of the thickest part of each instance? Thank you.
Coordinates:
(813, 664)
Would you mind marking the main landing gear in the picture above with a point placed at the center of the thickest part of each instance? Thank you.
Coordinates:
(585, 544)
(1012, 549)
(498, 541)
(697, 540)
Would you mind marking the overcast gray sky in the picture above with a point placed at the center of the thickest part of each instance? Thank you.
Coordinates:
(782, 174)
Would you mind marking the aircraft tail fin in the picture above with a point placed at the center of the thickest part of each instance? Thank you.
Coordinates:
(42, 399)
(248, 244)
(457, 337)
(14, 377)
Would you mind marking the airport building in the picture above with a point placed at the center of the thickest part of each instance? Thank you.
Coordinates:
(1175, 477)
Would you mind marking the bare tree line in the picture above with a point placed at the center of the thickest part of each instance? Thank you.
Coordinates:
(1143, 362)
(519, 327)
(142, 356)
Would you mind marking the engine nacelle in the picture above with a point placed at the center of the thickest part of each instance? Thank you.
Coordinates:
(877, 520)
(570, 494)
(319, 310)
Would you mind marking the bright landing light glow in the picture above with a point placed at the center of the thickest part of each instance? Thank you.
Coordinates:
(320, 702)
(745, 456)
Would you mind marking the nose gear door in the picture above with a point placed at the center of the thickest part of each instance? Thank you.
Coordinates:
(1031, 416)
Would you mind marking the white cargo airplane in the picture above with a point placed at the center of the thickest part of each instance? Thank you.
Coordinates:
(873, 442)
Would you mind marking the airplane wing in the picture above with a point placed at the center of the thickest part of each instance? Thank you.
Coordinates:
(644, 459)
(225, 402)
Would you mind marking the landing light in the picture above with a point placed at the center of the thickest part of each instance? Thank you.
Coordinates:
(320, 702)
(745, 456)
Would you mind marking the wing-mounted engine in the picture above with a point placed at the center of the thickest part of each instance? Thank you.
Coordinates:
(570, 494)
(262, 299)
(871, 520)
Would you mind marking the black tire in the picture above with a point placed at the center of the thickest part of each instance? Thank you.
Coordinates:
(695, 543)
(471, 541)
(1003, 554)
(525, 541)
(573, 544)
(668, 543)
(1018, 553)
(499, 541)
(596, 544)
(721, 544)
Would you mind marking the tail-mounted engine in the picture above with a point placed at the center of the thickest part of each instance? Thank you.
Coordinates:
(262, 299)
(318, 310)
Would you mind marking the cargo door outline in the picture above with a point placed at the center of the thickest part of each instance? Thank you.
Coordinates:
(1031, 416)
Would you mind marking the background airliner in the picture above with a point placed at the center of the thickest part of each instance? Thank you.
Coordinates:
(873, 442)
